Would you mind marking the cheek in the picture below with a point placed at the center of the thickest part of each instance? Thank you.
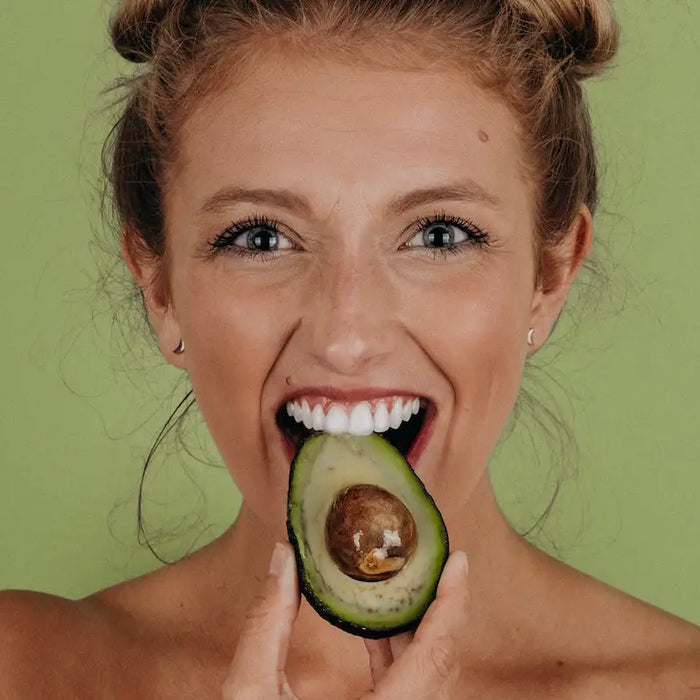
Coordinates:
(477, 340)
(234, 334)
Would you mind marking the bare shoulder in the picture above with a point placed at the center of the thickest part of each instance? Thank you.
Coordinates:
(142, 638)
(26, 614)
(41, 636)
(584, 639)
(634, 650)
(54, 647)
(666, 665)
(674, 675)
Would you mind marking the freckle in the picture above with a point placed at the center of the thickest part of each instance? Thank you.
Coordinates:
(483, 136)
(560, 663)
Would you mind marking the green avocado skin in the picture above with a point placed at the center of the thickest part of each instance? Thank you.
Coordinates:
(379, 632)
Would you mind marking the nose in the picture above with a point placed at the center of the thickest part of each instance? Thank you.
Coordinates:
(350, 317)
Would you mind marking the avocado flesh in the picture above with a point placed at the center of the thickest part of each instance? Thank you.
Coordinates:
(323, 466)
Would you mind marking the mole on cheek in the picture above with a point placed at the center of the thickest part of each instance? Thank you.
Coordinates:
(483, 136)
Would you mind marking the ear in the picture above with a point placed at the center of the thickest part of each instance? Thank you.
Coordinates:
(559, 267)
(147, 270)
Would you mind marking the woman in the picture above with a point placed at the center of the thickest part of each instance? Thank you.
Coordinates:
(344, 204)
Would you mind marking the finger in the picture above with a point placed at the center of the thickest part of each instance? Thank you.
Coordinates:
(400, 643)
(380, 657)
(257, 669)
(430, 665)
(287, 692)
(448, 612)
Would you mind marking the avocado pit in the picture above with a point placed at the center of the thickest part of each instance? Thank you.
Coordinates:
(370, 534)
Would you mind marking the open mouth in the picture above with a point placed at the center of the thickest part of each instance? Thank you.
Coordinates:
(408, 438)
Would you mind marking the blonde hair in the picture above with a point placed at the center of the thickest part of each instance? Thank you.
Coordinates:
(532, 54)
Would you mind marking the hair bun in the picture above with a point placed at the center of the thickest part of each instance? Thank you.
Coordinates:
(134, 26)
(582, 34)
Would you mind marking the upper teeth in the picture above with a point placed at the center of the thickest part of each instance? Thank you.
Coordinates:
(360, 418)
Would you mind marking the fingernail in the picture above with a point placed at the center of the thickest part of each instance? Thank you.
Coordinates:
(461, 563)
(279, 558)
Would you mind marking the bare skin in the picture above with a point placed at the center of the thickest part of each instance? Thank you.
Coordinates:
(352, 299)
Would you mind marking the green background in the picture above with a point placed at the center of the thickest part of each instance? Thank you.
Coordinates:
(84, 395)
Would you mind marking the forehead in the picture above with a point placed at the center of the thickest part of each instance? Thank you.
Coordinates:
(340, 134)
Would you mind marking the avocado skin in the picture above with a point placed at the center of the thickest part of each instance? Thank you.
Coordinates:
(322, 609)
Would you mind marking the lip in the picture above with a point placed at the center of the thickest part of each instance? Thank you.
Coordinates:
(350, 395)
(426, 432)
(287, 446)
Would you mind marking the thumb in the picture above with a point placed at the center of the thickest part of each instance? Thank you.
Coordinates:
(257, 669)
(430, 665)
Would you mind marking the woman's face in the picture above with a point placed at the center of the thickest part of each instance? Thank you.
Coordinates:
(355, 294)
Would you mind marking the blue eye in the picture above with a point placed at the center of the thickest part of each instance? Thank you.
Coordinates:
(256, 237)
(260, 238)
(438, 236)
(443, 235)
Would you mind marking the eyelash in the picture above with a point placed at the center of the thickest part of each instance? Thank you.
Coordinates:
(225, 241)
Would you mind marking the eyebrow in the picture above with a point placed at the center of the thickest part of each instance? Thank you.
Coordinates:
(467, 190)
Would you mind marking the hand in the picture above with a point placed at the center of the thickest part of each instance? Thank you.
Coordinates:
(426, 665)
(257, 670)
(419, 666)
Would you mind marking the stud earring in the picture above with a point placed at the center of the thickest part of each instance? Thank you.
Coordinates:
(180, 348)
(530, 337)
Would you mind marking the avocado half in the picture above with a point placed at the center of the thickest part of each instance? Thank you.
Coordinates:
(338, 485)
